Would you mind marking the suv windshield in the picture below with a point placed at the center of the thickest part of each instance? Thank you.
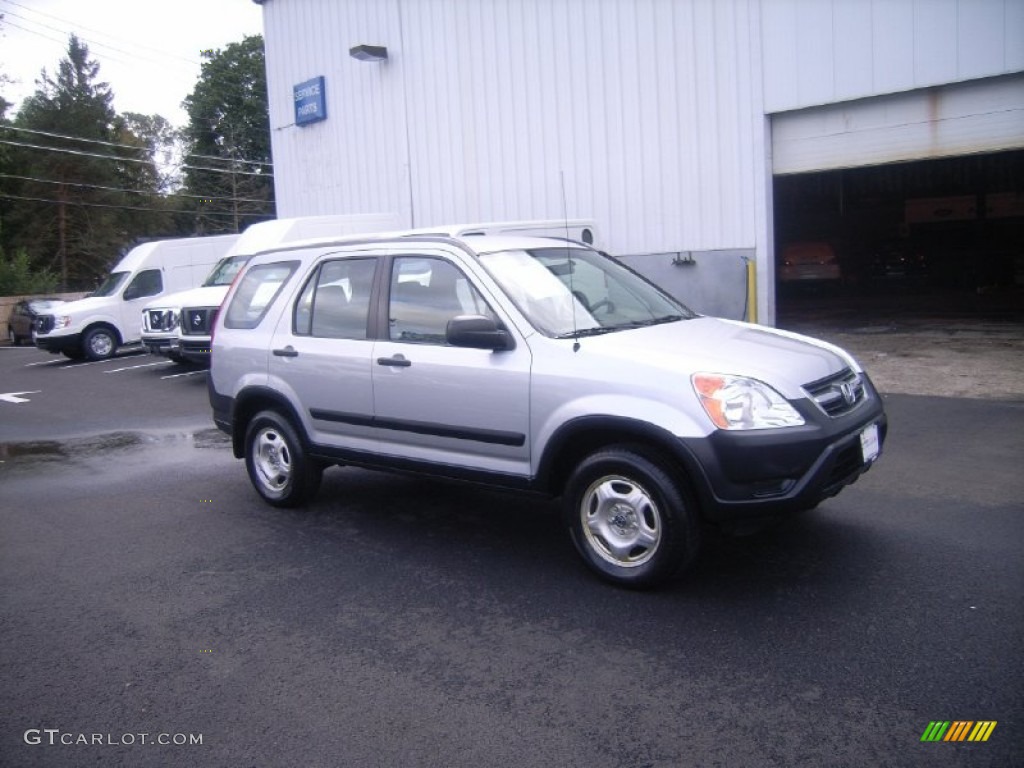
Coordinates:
(111, 284)
(567, 292)
(225, 271)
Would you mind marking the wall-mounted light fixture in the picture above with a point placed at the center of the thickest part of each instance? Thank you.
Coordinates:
(369, 53)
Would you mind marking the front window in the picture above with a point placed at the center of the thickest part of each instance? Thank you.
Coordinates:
(426, 293)
(567, 292)
(225, 271)
(149, 282)
(111, 284)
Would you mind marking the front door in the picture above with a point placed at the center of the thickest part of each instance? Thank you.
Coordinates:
(137, 294)
(439, 403)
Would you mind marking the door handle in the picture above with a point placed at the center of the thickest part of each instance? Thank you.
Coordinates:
(398, 361)
(288, 351)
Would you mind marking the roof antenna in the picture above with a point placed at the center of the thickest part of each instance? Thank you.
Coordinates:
(568, 263)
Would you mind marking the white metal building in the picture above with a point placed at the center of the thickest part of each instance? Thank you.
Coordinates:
(663, 120)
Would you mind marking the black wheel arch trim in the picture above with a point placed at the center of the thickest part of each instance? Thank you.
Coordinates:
(559, 457)
(240, 410)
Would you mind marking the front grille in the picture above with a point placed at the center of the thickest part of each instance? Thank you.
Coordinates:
(196, 321)
(839, 393)
(43, 323)
(848, 463)
(161, 319)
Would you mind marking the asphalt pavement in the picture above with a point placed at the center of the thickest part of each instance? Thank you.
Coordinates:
(149, 597)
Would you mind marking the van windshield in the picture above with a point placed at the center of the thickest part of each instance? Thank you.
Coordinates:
(111, 284)
(225, 271)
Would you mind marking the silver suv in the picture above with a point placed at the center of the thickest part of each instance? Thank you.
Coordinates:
(535, 364)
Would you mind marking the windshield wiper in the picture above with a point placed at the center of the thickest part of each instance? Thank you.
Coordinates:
(620, 326)
(596, 331)
(645, 323)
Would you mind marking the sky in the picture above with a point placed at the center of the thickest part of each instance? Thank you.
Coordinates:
(149, 51)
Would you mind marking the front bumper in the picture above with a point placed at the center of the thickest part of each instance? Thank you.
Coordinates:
(767, 472)
(60, 342)
(165, 345)
(195, 350)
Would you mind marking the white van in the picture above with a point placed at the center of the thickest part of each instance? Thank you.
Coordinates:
(178, 325)
(94, 327)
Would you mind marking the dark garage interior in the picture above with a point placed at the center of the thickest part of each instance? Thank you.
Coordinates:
(927, 238)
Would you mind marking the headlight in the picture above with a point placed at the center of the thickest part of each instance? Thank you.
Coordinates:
(61, 321)
(736, 402)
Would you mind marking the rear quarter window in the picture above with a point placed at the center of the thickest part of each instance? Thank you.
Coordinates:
(257, 291)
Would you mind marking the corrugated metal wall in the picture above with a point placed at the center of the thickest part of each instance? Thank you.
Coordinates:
(650, 111)
(826, 51)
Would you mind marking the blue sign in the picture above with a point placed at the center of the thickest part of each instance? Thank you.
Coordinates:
(310, 101)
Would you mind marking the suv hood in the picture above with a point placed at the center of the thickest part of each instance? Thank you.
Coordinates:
(209, 296)
(785, 361)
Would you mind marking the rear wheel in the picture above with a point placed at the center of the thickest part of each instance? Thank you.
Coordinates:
(99, 343)
(14, 338)
(278, 467)
(629, 519)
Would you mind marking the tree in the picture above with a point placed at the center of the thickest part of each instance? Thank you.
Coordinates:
(159, 140)
(83, 182)
(227, 140)
(19, 277)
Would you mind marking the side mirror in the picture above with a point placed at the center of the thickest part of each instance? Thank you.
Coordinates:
(478, 332)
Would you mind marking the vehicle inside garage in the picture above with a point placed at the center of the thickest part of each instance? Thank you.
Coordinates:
(938, 237)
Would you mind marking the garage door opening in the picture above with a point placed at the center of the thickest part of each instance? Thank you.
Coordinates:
(940, 237)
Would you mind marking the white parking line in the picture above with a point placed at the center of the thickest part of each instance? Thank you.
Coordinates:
(144, 365)
(187, 373)
(44, 362)
(99, 362)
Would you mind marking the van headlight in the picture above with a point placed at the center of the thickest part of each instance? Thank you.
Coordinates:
(61, 321)
(736, 402)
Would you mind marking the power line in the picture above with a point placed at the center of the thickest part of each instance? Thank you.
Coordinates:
(133, 58)
(73, 28)
(32, 31)
(80, 153)
(127, 146)
(131, 207)
(132, 191)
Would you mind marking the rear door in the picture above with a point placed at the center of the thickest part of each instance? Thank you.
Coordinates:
(435, 402)
(321, 351)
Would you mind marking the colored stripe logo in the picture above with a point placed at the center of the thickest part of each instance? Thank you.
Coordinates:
(958, 730)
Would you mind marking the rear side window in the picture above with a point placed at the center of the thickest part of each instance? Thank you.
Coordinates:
(256, 292)
(336, 301)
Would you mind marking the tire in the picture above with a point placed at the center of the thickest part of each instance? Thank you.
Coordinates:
(14, 338)
(632, 523)
(99, 343)
(277, 464)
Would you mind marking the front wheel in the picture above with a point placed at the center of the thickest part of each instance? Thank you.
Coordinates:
(629, 519)
(278, 467)
(99, 343)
